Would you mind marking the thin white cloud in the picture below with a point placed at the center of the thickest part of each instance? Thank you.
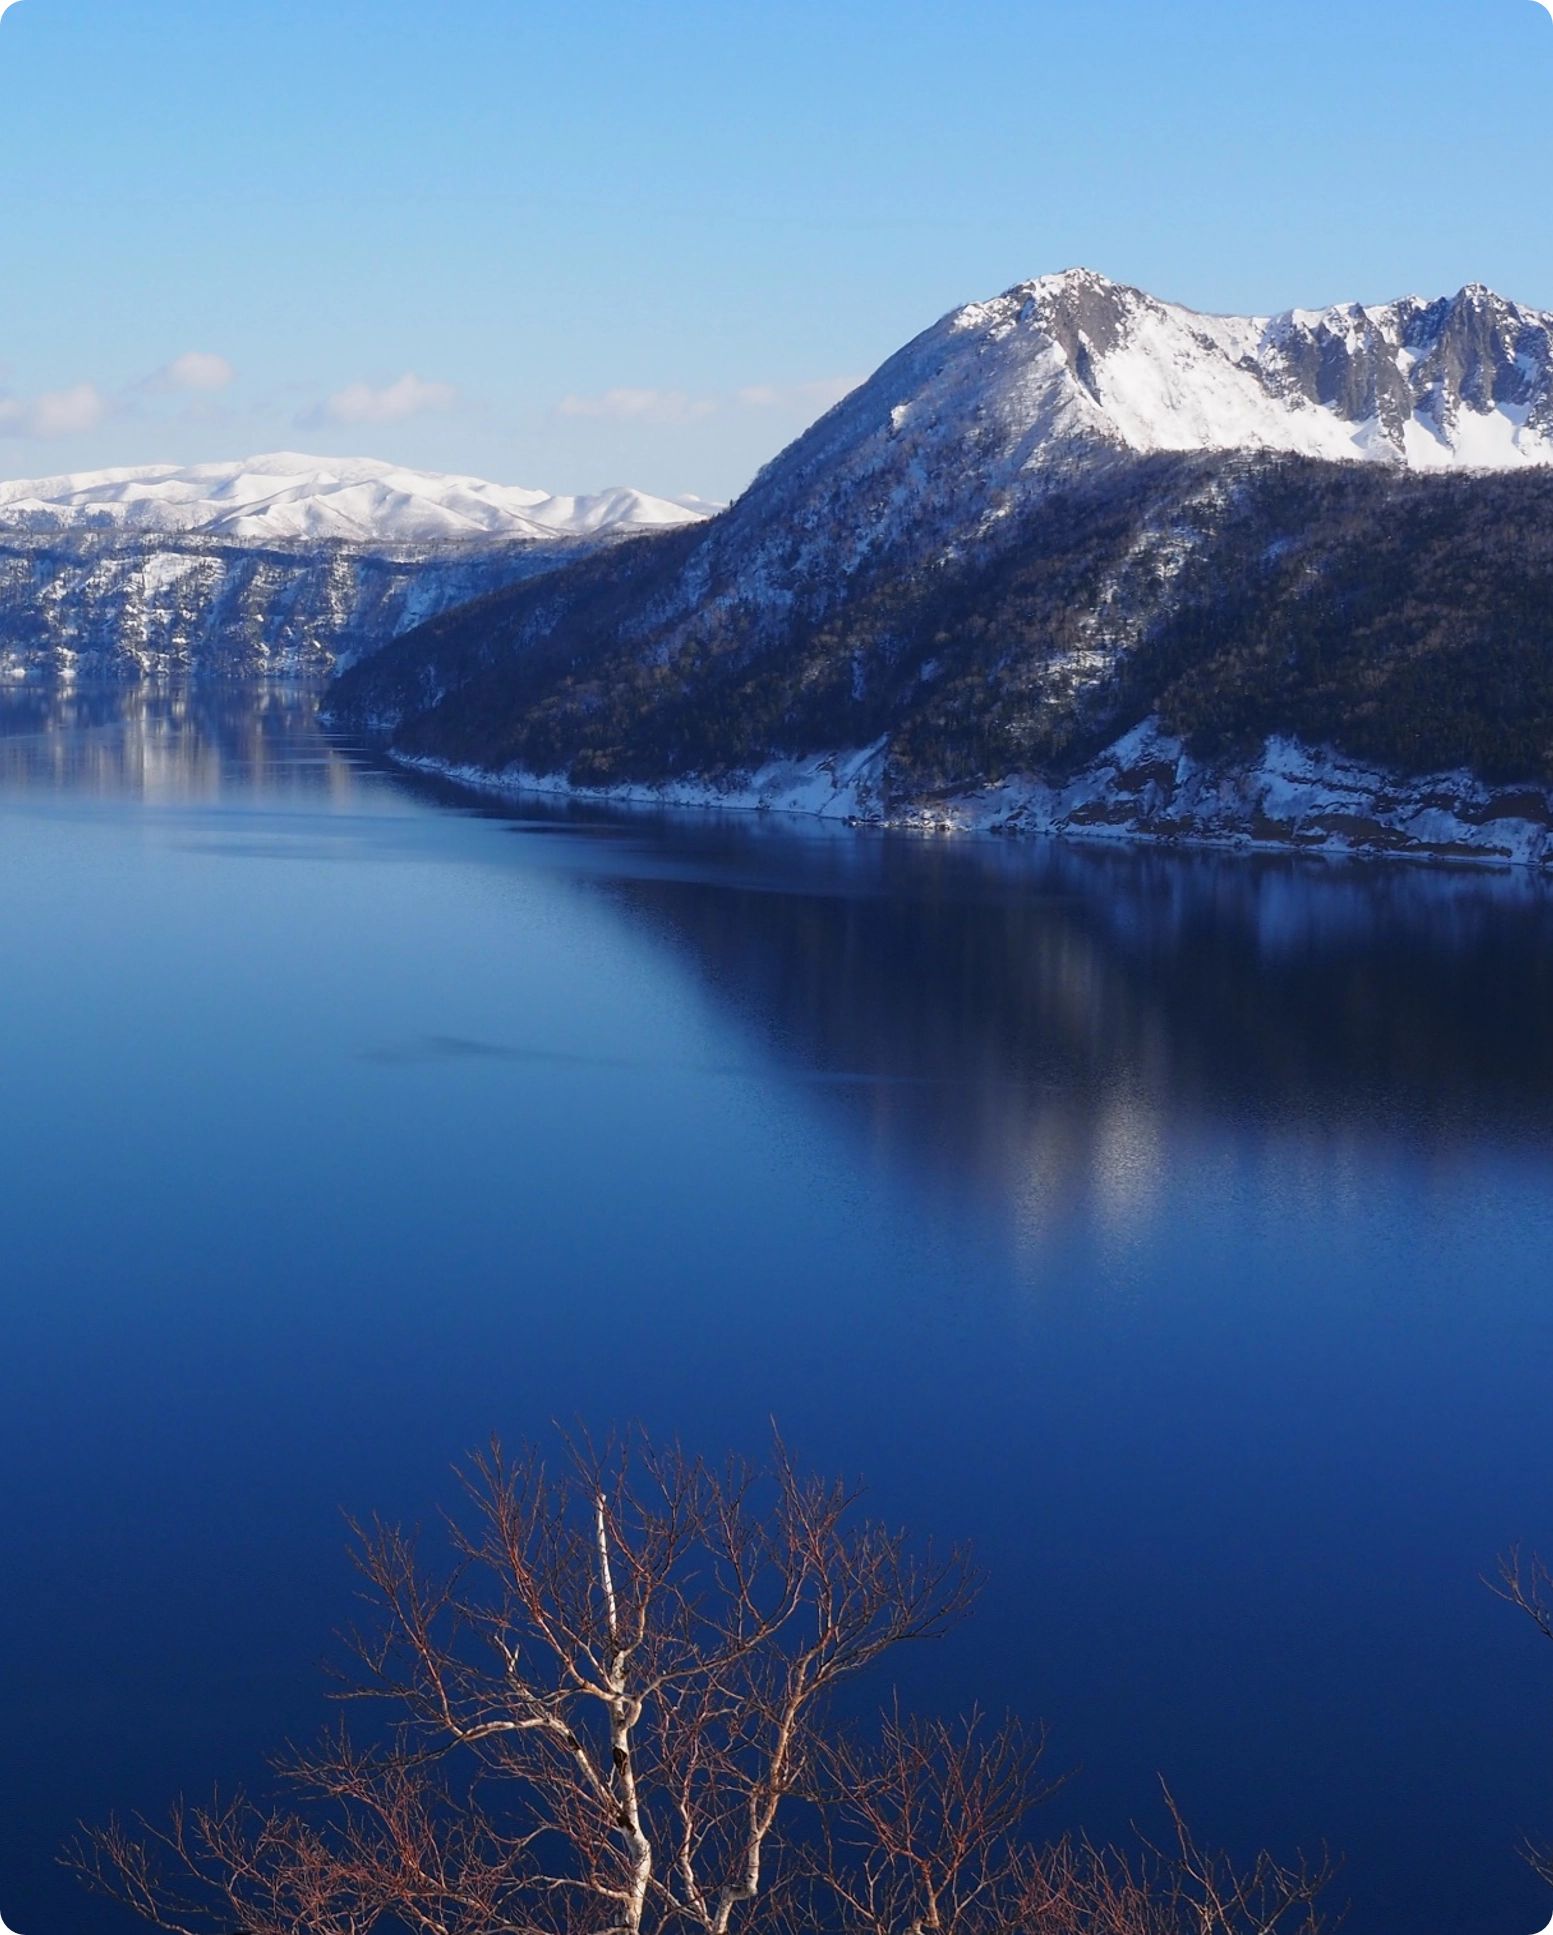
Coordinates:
(56, 413)
(80, 408)
(197, 370)
(410, 396)
(818, 395)
(66, 413)
(678, 406)
(639, 406)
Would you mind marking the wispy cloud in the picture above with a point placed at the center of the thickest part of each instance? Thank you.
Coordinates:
(410, 396)
(56, 413)
(679, 406)
(639, 406)
(82, 407)
(818, 395)
(196, 369)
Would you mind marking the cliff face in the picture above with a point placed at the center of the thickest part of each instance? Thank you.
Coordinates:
(115, 607)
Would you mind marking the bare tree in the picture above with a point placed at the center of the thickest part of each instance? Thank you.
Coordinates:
(600, 1711)
(1177, 1889)
(606, 1713)
(1527, 1584)
(922, 1828)
(926, 1833)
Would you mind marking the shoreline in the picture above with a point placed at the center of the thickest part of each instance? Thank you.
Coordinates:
(1125, 799)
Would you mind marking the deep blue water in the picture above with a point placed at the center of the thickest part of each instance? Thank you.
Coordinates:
(1175, 1228)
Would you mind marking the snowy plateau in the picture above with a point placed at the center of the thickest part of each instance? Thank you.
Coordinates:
(285, 498)
(1076, 560)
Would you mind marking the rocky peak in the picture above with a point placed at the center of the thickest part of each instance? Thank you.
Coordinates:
(1465, 380)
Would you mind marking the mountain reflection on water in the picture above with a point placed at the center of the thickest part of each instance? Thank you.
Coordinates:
(1175, 1226)
(1044, 1011)
(1023, 1018)
(158, 743)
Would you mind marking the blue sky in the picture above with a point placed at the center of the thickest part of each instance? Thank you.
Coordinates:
(644, 242)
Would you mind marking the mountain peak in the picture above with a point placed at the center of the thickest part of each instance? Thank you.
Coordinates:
(1075, 281)
(1463, 381)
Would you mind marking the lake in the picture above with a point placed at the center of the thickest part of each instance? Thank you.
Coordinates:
(1175, 1228)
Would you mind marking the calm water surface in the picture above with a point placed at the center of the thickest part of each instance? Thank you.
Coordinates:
(1178, 1229)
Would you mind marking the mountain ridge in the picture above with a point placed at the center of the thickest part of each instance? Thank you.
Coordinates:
(285, 497)
(1397, 382)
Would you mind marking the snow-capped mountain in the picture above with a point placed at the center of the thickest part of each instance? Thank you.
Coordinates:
(284, 498)
(981, 413)
(1460, 382)
(1058, 518)
(947, 447)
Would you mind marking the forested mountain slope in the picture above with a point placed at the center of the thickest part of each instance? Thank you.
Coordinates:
(1051, 525)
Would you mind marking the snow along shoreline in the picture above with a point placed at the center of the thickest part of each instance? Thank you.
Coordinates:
(1146, 787)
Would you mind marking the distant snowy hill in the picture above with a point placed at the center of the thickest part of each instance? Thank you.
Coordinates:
(284, 498)
(1059, 526)
(277, 564)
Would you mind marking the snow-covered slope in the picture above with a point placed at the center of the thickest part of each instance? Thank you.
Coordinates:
(979, 416)
(1463, 381)
(285, 498)
(966, 432)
